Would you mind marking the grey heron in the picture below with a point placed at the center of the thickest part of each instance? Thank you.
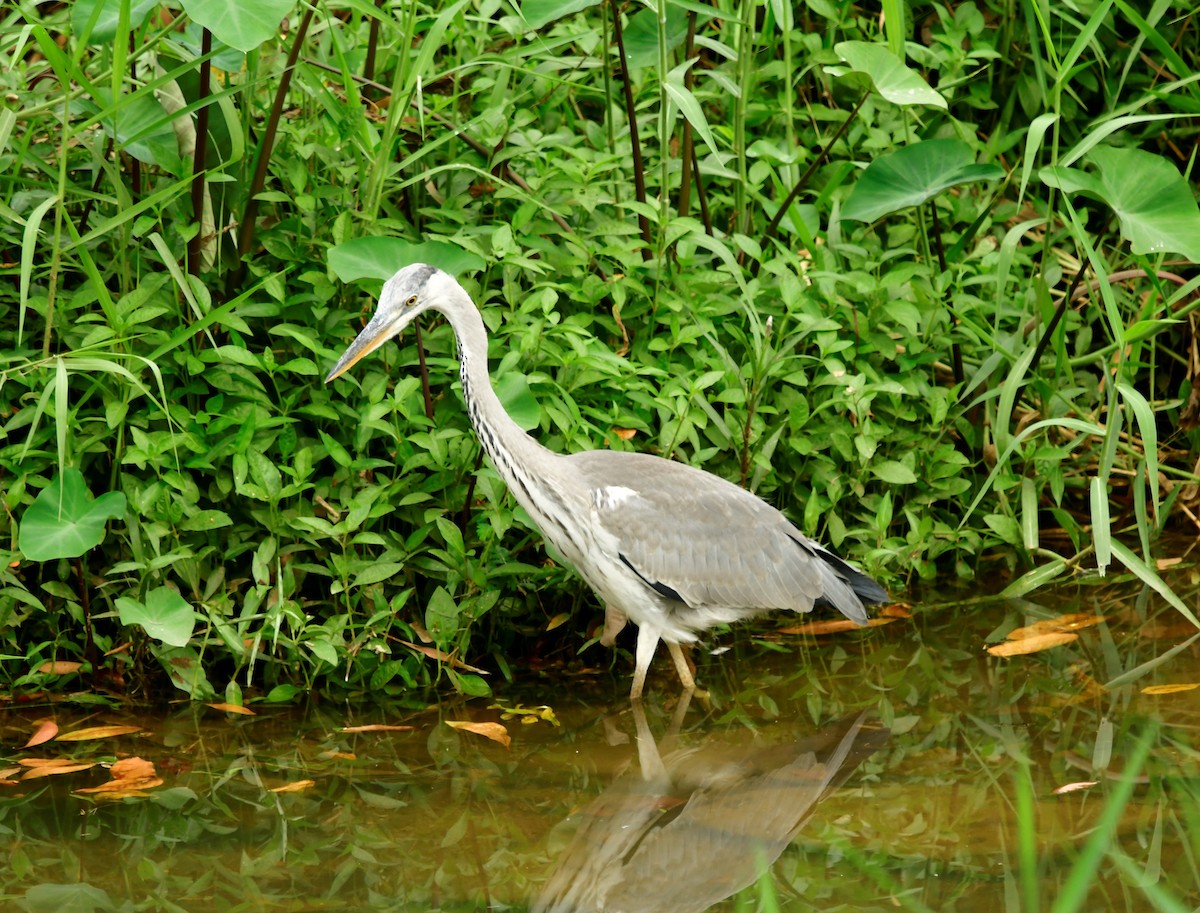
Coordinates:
(675, 549)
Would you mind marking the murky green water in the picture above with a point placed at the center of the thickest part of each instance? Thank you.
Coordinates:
(896, 768)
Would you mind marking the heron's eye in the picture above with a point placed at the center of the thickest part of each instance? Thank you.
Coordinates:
(412, 299)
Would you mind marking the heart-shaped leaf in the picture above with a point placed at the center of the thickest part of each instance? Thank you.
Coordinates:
(64, 521)
(913, 175)
(166, 616)
(888, 74)
(1153, 202)
(379, 258)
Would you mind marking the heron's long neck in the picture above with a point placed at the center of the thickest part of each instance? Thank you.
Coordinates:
(529, 469)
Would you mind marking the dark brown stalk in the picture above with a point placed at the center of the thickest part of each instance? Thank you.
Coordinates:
(197, 241)
(816, 163)
(936, 226)
(639, 170)
(687, 156)
(266, 145)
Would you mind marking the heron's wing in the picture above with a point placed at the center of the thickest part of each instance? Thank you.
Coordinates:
(694, 537)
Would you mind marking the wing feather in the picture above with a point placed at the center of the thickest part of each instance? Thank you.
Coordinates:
(716, 545)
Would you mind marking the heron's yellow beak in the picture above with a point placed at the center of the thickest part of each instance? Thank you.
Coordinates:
(373, 335)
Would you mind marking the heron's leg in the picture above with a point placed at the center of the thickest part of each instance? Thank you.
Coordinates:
(685, 671)
(614, 622)
(647, 640)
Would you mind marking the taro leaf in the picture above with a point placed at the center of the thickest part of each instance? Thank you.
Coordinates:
(64, 521)
(888, 74)
(140, 126)
(237, 23)
(379, 258)
(513, 389)
(913, 175)
(105, 29)
(1155, 206)
(166, 616)
(68, 898)
(542, 12)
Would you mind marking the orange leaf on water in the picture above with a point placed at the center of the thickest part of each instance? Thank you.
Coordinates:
(833, 626)
(97, 732)
(49, 767)
(377, 727)
(8, 772)
(1033, 644)
(46, 731)
(1075, 787)
(625, 434)
(1063, 623)
(557, 621)
(494, 731)
(1171, 689)
(130, 777)
(233, 708)
(298, 787)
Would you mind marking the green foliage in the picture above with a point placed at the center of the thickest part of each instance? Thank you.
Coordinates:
(695, 242)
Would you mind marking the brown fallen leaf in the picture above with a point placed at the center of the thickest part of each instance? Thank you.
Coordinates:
(494, 731)
(1075, 787)
(1062, 623)
(232, 708)
(50, 767)
(130, 777)
(1033, 644)
(47, 730)
(1163, 563)
(833, 626)
(895, 610)
(377, 727)
(92, 733)
(557, 621)
(625, 434)
(298, 787)
(61, 667)
(8, 772)
(440, 656)
(337, 756)
(1171, 689)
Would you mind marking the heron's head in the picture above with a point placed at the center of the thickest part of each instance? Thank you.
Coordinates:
(412, 291)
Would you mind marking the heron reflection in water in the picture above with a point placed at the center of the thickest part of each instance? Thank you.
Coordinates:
(698, 824)
(672, 548)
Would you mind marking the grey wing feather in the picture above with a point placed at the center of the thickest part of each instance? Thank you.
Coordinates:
(712, 543)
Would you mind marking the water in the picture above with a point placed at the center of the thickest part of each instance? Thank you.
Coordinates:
(896, 768)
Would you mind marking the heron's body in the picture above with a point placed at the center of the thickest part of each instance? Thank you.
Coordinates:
(672, 548)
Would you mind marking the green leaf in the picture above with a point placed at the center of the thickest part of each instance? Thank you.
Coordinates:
(641, 35)
(64, 521)
(537, 13)
(379, 258)
(441, 616)
(687, 104)
(187, 673)
(67, 898)
(913, 175)
(239, 24)
(894, 473)
(166, 616)
(513, 389)
(105, 29)
(888, 74)
(1153, 202)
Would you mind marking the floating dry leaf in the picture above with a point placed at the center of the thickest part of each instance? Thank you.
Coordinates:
(1163, 563)
(298, 787)
(1033, 644)
(440, 656)
(1075, 787)
(337, 756)
(1171, 689)
(377, 727)
(895, 610)
(625, 434)
(97, 732)
(833, 626)
(8, 772)
(1063, 623)
(493, 731)
(49, 767)
(130, 777)
(233, 708)
(59, 668)
(558, 620)
(46, 731)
